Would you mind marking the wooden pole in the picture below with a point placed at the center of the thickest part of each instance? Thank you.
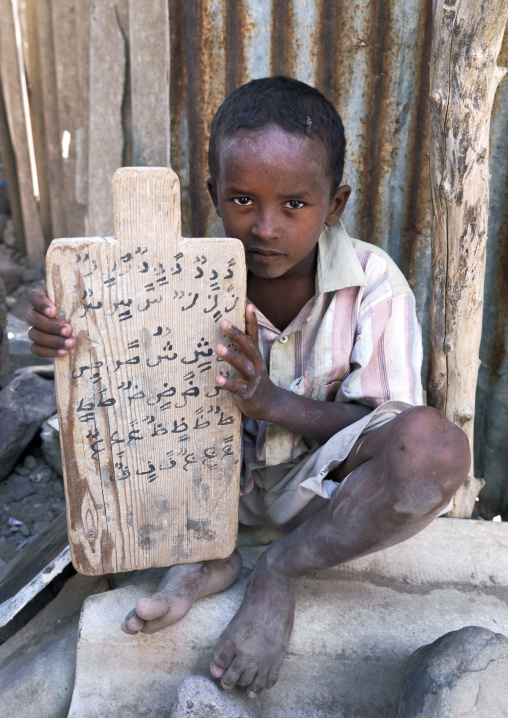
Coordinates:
(464, 77)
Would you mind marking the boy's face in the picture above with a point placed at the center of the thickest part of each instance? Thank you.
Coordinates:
(273, 193)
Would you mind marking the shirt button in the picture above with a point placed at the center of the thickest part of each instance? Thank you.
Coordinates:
(283, 339)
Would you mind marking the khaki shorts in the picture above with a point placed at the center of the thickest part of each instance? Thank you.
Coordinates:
(285, 495)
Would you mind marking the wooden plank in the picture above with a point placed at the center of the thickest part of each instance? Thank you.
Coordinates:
(150, 446)
(37, 565)
(149, 75)
(11, 76)
(9, 166)
(107, 82)
(464, 77)
(40, 22)
(35, 93)
(72, 106)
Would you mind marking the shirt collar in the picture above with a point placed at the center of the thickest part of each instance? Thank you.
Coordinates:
(338, 266)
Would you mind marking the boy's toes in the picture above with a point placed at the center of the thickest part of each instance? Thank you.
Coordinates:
(132, 623)
(222, 658)
(259, 684)
(247, 678)
(232, 675)
(273, 677)
(153, 607)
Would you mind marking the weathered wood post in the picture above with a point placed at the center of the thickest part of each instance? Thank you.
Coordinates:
(464, 77)
(150, 446)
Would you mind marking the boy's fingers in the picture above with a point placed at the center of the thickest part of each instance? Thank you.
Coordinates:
(39, 299)
(240, 340)
(48, 326)
(251, 324)
(237, 361)
(49, 341)
(234, 387)
(40, 351)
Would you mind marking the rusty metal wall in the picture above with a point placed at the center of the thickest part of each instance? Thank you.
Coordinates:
(369, 57)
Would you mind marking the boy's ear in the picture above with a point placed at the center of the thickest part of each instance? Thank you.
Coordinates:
(338, 205)
(212, 191)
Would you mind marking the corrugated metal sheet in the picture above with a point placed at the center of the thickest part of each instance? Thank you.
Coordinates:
(370, 58)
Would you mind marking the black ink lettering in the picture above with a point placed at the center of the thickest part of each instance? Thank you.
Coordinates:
(184, 309)
(145, 268)
(94, 265)
(215, 391)
(179, 428)
(138, 395)
(125, 386)
(149, 303)
(134, 438)
(115, 440)
(189, 459)
(199, 273)
(228, 420)
(81, 369)
(159, 431)
(231, 308)
(215, 299)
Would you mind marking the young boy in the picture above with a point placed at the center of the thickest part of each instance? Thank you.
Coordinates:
(338, 450)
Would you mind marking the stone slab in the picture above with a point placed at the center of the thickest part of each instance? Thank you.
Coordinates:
(355, 628)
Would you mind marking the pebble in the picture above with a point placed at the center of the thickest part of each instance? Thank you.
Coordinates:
(24, 530)
(20, 487)
(30, 462)
(21, 470)
(42, 475)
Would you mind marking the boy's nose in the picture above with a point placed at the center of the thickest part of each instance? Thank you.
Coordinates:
(266, 228)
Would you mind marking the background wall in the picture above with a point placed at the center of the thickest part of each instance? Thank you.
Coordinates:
(121, 82)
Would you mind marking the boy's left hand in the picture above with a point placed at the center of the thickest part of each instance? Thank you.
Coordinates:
(253, 391)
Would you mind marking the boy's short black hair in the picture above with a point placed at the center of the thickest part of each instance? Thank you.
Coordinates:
(292, 105)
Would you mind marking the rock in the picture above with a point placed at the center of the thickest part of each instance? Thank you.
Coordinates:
(50, 444)
(24, 530)
(464, 673)
(10, 272)
(24, 404)
(32, 275)
(9, 234)
(42, 475)
(4, 218)
(30, 462)
(200, 697)
(37, 664)
(20, 487)
(4, 342)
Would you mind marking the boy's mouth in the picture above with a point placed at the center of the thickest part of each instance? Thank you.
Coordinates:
(265, 254)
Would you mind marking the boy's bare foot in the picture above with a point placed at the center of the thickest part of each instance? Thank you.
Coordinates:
(251, 650)
(181, 586)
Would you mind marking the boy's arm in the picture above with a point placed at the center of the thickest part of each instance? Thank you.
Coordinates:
(258, 397)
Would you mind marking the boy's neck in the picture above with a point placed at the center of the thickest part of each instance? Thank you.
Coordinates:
(280, 299)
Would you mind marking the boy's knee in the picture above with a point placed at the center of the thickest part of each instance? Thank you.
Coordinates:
(431, 456)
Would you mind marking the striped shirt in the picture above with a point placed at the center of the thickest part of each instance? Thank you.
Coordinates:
(357, 340)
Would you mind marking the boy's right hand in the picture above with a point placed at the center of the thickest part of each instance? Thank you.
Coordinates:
(51, 337)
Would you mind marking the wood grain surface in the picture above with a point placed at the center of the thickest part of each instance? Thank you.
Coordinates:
(150, 446)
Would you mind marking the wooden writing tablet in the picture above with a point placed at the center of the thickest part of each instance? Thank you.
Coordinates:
(151, 447)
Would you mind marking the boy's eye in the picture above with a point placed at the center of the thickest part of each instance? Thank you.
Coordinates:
(294, 204)
(243, 201)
